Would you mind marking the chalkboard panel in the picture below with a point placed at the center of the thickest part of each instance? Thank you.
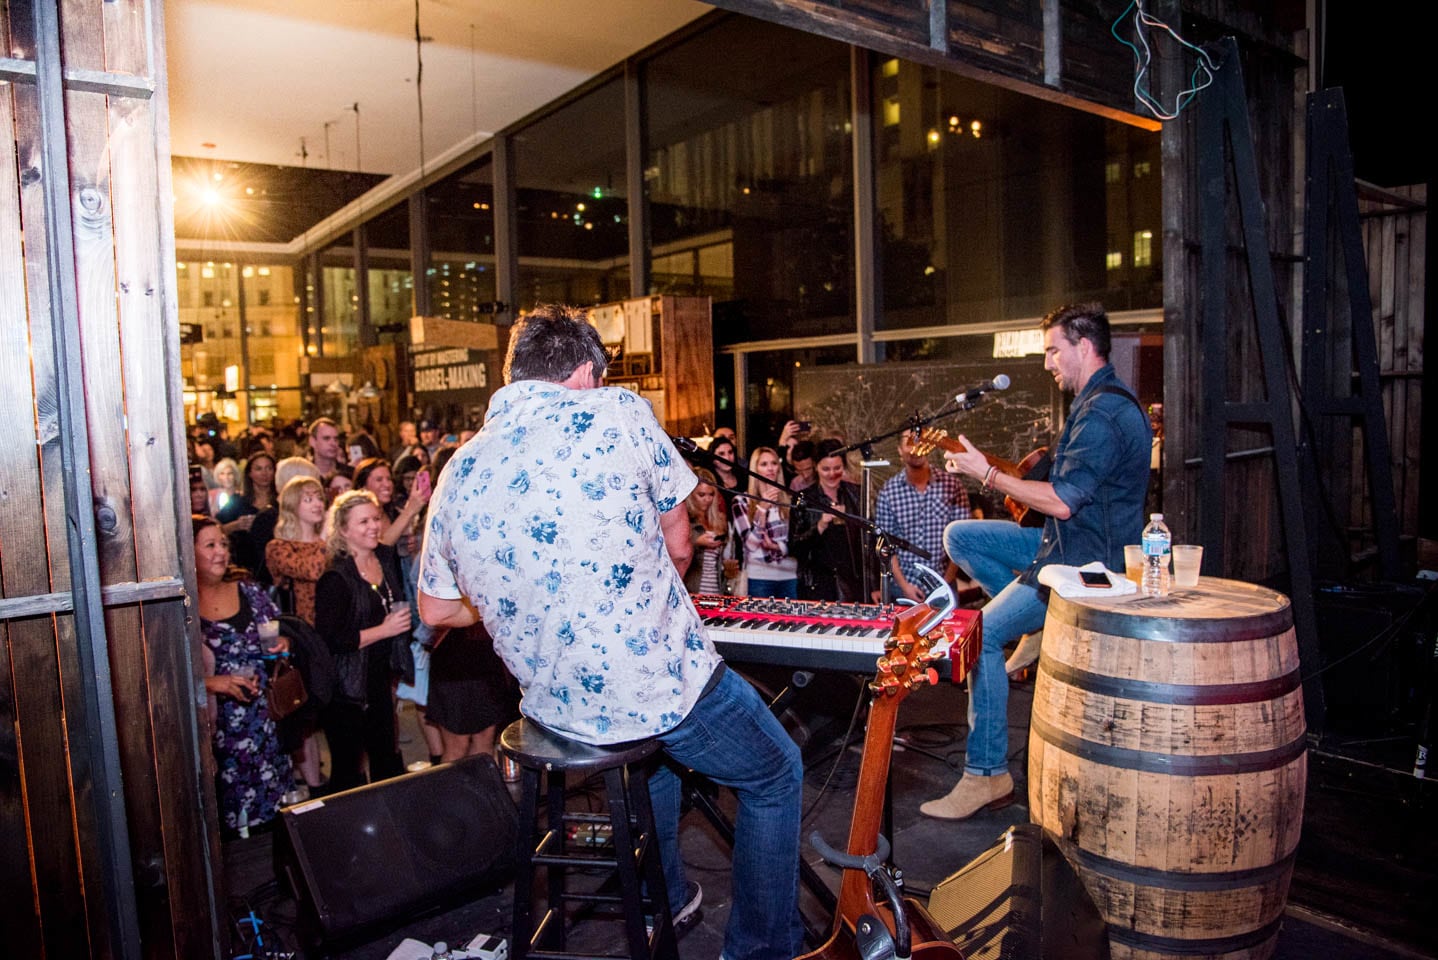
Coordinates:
(858, 401)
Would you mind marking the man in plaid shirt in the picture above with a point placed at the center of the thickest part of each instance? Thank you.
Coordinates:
(917, 504)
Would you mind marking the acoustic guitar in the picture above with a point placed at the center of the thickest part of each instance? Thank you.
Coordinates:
(931, 437)
(914, 643)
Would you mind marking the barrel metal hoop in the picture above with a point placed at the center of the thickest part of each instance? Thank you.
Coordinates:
(1173, 629)
(1186, 882)
(1176, 764)
(1196, 694)
(1211, 946)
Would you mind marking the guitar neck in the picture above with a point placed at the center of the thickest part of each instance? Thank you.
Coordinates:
(954, 446)
(856, 896)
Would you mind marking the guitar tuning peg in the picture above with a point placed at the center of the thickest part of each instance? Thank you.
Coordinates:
(931, 675)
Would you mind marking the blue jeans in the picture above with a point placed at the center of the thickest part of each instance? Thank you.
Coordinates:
(773, 588)
(731, 737)
(992, 552)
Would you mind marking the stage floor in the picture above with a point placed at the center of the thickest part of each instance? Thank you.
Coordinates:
(931, 722)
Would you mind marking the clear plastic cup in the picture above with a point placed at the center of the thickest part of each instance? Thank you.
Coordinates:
(269, 635)
(1187, 558)
(1133, 562)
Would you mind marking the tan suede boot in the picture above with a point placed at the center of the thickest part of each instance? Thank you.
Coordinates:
(1025, 653)
(970, 795)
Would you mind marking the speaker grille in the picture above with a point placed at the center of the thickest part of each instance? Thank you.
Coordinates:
(366, 856)
(991, 908)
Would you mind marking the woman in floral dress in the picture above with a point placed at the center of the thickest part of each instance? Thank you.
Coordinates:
(253, 773)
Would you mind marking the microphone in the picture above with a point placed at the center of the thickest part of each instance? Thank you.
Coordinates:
(1001, 382)
(684, 444)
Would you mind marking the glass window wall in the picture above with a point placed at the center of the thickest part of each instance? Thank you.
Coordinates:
(209, 312)
(390, 279)
(572, 208)
(995, 206)
(461, 236)
(273, 344)
(339, 320)
(769, 388)
(749, 178)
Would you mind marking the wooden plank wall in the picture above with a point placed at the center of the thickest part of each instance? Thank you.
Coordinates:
(123, 242)
(1253, 535)
(1396, 245)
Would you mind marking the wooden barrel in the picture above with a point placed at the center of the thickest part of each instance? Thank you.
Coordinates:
(1167, 755)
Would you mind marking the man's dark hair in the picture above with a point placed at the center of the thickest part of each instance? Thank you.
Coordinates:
(1082, 321)
(550, 343)
(803, 450)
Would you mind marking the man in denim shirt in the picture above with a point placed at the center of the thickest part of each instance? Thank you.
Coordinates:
(562, 524)
(1092, 503)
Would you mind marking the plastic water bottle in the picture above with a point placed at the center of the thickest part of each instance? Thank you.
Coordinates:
(1157, 547)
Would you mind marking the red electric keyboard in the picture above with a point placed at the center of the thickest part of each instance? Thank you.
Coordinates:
(822, 635)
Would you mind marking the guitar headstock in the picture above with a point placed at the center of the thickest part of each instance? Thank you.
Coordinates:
(916, 641)
(927, 440)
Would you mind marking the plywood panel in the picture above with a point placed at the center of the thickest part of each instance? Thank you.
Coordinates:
(686, 333)
(1395, 244)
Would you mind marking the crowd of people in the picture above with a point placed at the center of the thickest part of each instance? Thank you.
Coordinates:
(578, 588)
(305, 523)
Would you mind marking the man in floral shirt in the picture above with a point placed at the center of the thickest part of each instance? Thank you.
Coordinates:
(562, 525)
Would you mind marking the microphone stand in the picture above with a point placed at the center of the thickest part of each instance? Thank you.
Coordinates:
(885, 542)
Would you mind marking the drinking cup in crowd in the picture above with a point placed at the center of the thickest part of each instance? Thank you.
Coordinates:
(269, 635)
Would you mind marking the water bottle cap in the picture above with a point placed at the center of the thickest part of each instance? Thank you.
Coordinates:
(1155, 516)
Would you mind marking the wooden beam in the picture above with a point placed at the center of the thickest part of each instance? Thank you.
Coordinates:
(438, 332)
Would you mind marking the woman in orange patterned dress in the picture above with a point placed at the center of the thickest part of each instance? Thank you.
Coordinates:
(296, 557)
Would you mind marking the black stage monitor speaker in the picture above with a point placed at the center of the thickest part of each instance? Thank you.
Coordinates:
(1020, 900)
(361, 858)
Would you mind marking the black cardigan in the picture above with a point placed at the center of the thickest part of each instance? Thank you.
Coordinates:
(345, 604)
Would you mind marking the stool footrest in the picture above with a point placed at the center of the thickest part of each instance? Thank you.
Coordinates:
(573, 860)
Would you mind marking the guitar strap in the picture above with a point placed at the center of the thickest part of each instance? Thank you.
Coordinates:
(1040, 470)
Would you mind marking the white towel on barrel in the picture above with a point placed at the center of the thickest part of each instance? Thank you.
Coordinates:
(1065, 580)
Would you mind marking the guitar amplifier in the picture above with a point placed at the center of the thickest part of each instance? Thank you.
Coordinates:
(1020, 900)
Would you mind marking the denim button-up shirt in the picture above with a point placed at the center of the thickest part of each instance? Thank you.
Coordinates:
(1100, 470)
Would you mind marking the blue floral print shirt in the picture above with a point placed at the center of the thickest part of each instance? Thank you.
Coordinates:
(548, 521)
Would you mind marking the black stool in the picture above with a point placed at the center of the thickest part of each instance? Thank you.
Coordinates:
(635, 856)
